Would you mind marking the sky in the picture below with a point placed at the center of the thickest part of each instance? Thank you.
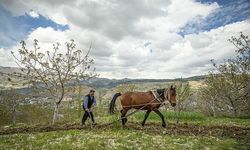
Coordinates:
(154, 39)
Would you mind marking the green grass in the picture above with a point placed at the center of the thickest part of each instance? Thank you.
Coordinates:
(185, 116)
(118, 137)
(112, 139)
(36, 115)
(193, 118)
(170, 116)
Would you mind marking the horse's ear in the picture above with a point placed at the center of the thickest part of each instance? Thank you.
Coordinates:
(171, 87)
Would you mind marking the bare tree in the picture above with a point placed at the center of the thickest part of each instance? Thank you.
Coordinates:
(183, 93)
(126, 88)
(52, 70)
(79, 100)
(227, 87)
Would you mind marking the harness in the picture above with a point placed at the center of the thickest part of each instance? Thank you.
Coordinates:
(160, 95)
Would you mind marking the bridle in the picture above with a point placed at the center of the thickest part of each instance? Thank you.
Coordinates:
(167, 95)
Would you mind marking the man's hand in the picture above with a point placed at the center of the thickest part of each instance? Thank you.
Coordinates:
(88, 110)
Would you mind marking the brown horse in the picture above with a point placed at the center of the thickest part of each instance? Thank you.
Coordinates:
(144, 101)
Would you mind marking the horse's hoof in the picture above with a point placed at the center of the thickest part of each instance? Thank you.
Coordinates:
(142, 124)
(164, 126)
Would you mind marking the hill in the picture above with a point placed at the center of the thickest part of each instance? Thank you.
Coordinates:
(94, 82)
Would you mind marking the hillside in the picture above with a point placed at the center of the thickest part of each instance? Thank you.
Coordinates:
(110, 83)
(17, 81)
(94, 82)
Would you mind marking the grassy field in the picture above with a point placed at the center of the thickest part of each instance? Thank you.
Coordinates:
(194, 131)
(195, 118)
(113, 139)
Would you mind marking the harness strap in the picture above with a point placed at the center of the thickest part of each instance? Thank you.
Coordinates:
(158, 96)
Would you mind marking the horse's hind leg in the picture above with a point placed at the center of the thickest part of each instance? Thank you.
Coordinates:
(123, 114)
(162, 117)
(145, 117)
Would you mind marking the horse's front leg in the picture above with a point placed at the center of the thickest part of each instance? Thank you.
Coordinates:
(145, 117)
(162, 117)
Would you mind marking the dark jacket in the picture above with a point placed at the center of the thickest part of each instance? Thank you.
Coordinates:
(88, 101)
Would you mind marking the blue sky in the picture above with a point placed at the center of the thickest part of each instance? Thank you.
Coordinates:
(230, 11)
(132, 38)
(16, 28)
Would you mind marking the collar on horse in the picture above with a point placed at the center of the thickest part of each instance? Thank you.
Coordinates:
(160, 94)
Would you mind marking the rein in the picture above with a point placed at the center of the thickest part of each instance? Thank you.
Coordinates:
(167, 95)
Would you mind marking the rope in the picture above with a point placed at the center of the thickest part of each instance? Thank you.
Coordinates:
(141, 104)
(136, 110)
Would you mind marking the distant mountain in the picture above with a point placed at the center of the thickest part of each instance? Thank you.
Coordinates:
(4, 78)
(9, 69)
(98, 82)
(110, 83)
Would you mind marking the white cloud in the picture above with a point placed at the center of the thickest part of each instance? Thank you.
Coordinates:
(51, 9)
(33, 14)
(119, 31)
(6, 58)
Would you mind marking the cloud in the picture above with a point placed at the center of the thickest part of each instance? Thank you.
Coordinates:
(16, 28)
(33, 14)
(44, 8)
(114, 19)
(6, 58)
(135, 39)
(198, 49)
(10, 30)
(228, 13)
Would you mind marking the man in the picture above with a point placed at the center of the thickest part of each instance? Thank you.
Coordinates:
(88, 101)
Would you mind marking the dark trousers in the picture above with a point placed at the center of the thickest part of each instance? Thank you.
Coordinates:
(86, 115)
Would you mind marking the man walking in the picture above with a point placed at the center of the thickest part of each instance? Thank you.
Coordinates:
(88, 101)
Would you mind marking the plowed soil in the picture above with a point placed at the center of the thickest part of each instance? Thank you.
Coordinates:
(151, 128)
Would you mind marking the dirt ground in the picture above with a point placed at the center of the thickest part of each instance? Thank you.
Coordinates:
(152, 128)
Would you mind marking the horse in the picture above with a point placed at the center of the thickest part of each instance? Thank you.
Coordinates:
(144, 101)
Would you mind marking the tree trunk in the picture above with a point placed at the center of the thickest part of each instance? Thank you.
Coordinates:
(213, 110)
(100, 111)
(55, 116)
(213, 107)
(234, 108)
(14, 114)
(79, 100)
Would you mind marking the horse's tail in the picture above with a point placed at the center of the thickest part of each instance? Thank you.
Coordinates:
(112, 103)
